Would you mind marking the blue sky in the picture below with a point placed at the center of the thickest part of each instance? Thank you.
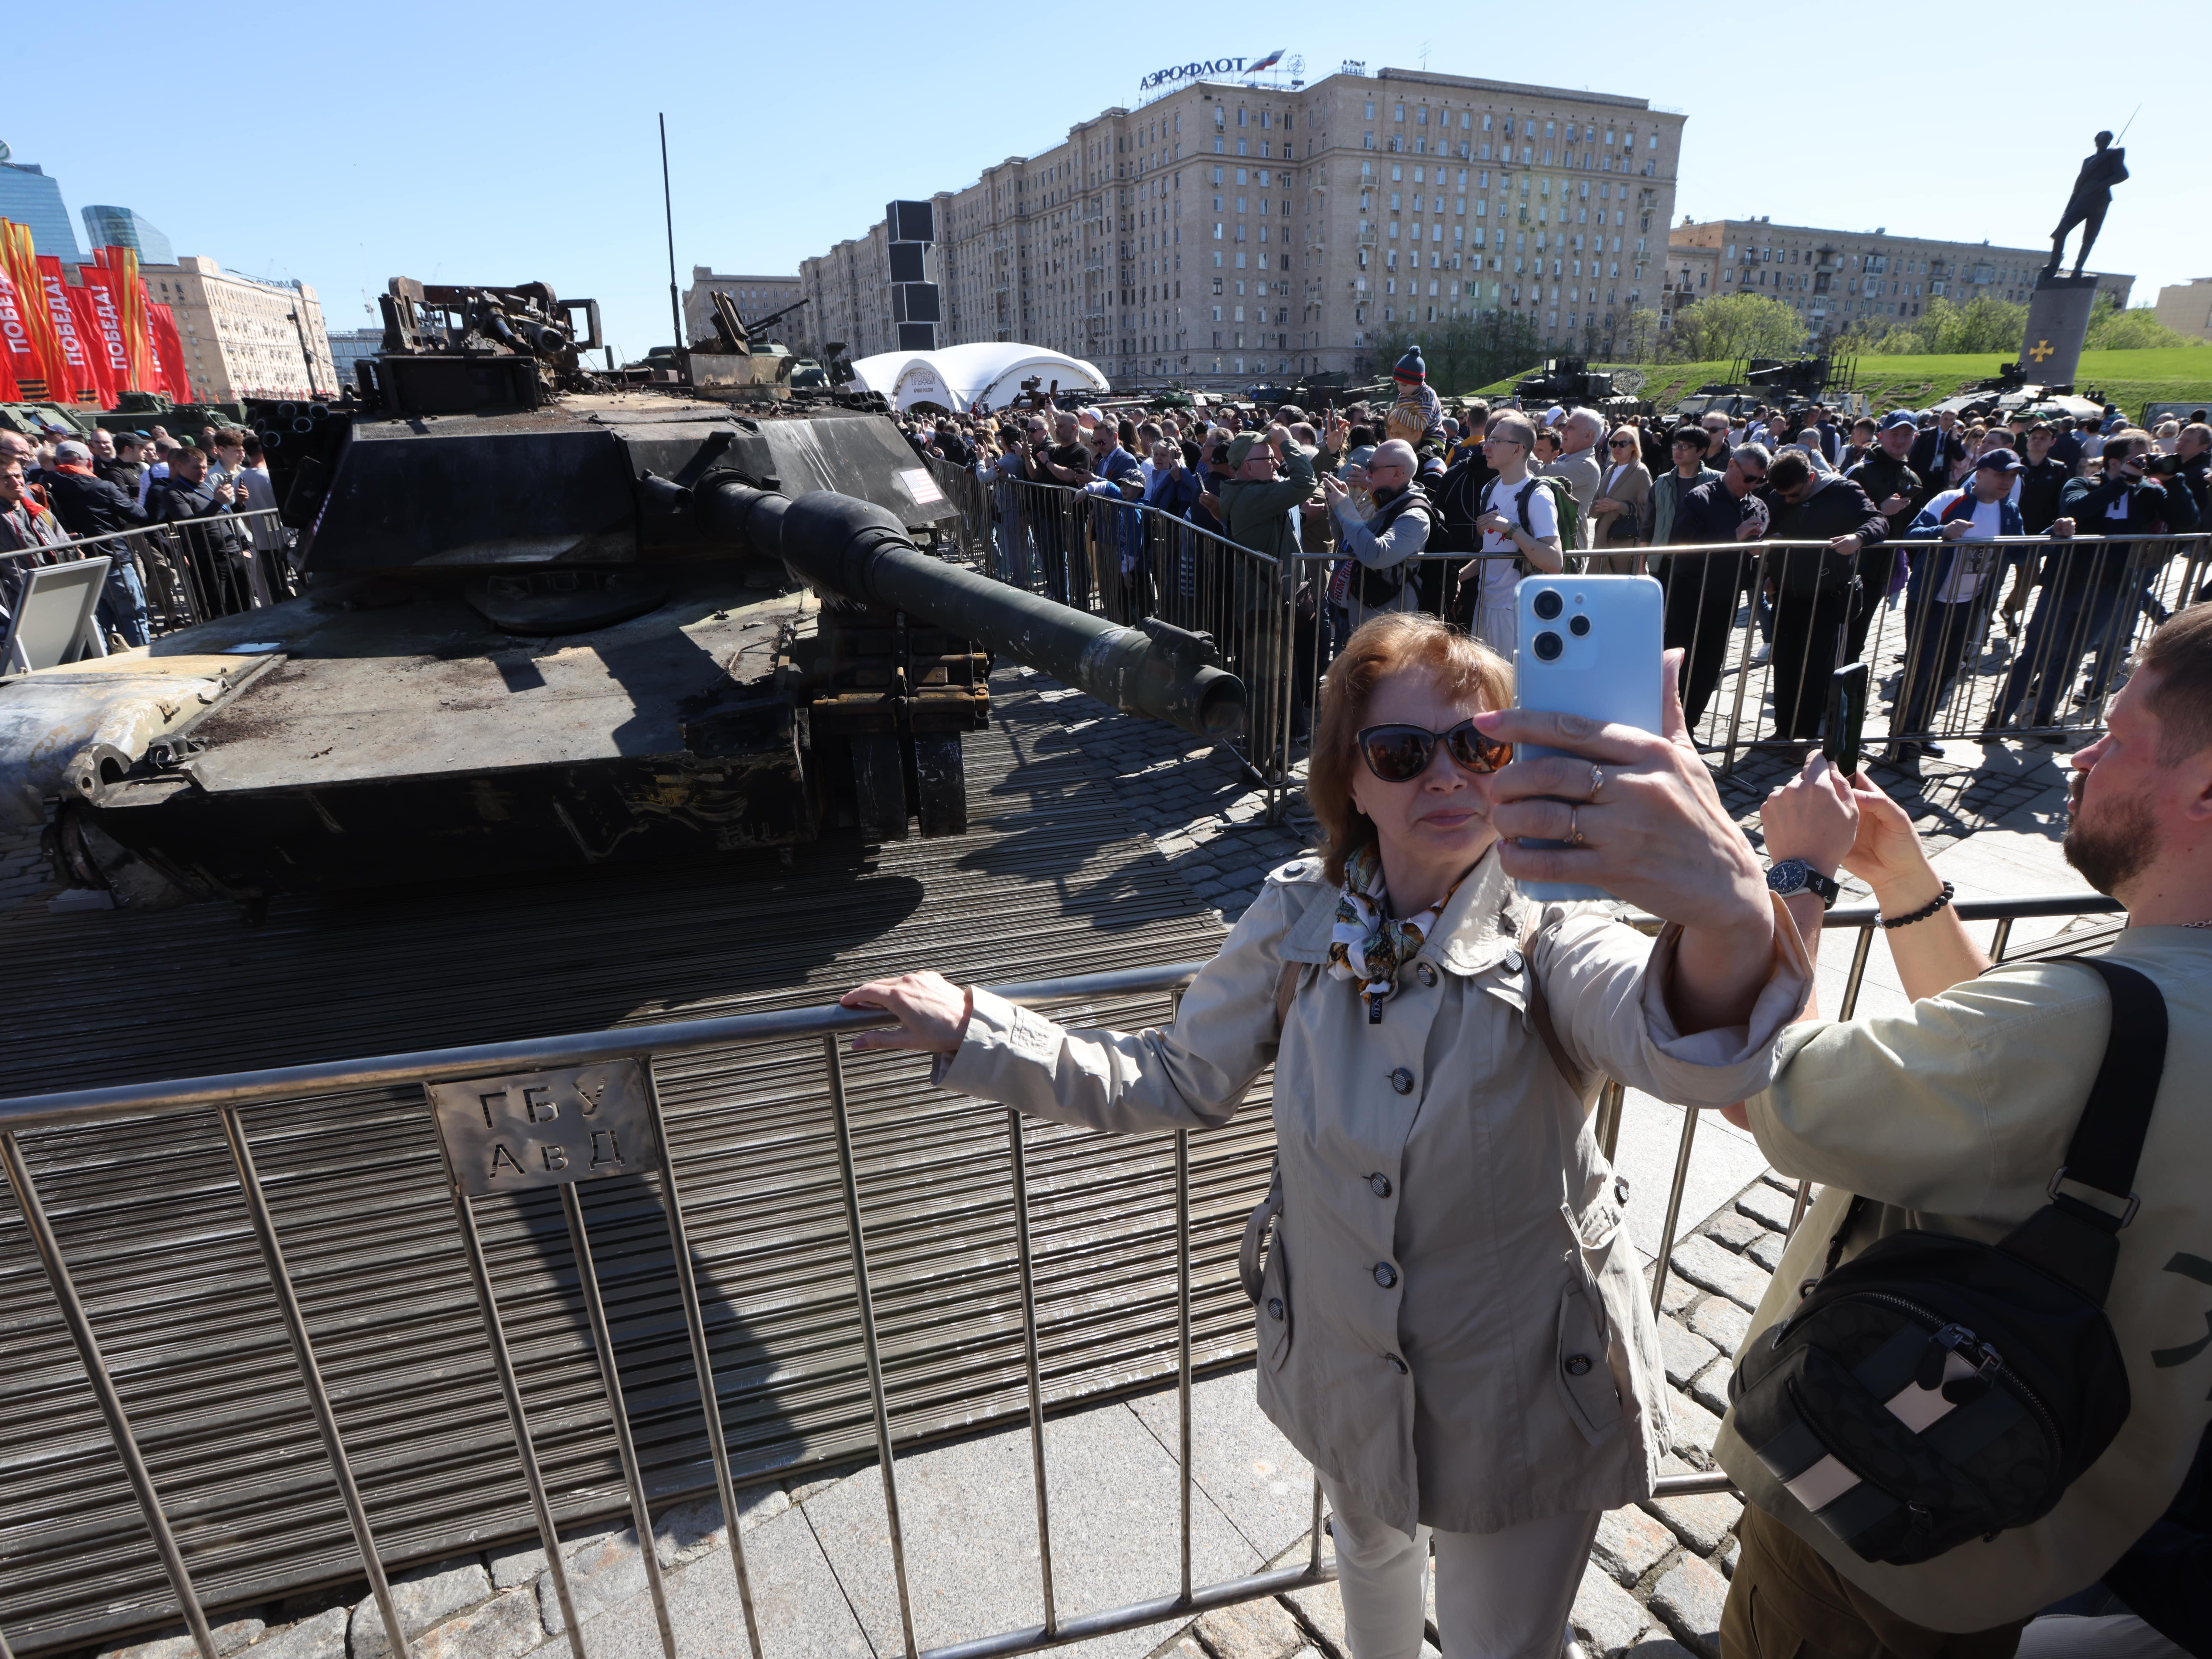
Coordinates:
(507, 144)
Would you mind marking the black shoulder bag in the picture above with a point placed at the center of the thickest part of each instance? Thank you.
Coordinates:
(1933, 1389)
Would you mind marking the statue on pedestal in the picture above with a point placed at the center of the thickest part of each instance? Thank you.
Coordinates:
(2093, 194)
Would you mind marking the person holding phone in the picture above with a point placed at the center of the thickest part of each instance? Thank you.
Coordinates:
(1520, 527)
(1451, 1317)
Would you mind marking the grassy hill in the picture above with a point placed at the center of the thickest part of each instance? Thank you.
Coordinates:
(2130, 379)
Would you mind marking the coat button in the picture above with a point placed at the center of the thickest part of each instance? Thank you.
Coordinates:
(1621, 1188)
(1424, 972)
(1396, 1363)
(1379, 1184)
(1275, 1308)
(1385, 1274)
(1512, 962)
(1578, 1364)
(1402, 1081)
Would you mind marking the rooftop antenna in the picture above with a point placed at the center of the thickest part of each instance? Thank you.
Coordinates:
(668, 209)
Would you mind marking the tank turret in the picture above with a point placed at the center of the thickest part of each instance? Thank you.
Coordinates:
(566, 624)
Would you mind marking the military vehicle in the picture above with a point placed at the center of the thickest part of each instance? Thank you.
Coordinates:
(547, 625)
(1570, 383)
(39, 422)
(1770, 382)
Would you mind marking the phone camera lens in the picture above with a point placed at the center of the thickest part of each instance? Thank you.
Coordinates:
(1547, 604)
(1579, 627)
(1548, 644)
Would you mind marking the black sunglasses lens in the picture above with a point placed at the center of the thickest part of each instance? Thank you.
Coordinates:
(1396, 753)
(1476, 752)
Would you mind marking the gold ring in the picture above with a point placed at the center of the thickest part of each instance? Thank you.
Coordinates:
(1597, 780)
(1574, 830)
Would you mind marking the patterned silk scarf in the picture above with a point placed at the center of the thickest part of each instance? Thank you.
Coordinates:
(1366, 944)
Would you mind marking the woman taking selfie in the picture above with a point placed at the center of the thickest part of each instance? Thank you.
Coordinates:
(1452, 1319)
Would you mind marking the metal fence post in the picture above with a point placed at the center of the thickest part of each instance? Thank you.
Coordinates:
(311, 1375)
(1674, 1208)
(702, 1362)
(841, 1122)
(103, 1388)
(602, 1340)
(510, 1389)
(1017, 1144)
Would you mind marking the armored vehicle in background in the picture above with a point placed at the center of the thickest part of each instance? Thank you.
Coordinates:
(544, 624)
(1572, 383)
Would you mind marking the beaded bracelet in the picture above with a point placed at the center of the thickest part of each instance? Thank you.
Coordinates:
(1925, 911)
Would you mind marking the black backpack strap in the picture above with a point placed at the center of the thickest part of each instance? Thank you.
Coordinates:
(2076, 1242)
(2108, 1141)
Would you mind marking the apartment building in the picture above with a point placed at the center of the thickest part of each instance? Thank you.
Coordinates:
(753, 297)
(1836, 278)
(1223, 232)
(244, 338)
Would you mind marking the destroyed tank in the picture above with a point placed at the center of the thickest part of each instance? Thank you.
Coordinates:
(547, 625)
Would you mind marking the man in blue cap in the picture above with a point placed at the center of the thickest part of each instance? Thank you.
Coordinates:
(1418, 416)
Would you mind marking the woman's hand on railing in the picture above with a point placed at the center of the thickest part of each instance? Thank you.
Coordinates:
(931, 1010)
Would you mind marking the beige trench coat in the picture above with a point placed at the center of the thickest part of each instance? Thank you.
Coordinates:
(1452, 1324)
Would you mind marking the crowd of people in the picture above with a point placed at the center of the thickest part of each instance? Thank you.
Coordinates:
(166, 509)
(1361, 495)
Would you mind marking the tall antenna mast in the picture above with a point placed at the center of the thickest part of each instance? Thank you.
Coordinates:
(668, 208)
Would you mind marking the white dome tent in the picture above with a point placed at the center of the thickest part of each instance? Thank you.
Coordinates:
(961, 377)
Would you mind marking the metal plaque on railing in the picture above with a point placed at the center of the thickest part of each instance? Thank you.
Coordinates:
(502, 1134)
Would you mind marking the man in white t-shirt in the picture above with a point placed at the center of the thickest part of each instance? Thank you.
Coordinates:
(1518, 524)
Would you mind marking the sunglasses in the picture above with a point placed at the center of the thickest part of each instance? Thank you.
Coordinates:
(1624, 443)
(1398, 754)
(1749, 477)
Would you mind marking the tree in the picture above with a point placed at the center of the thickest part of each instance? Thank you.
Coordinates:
(1637, 340)
(1466, 351)
(1730, 327)
(2138, 328)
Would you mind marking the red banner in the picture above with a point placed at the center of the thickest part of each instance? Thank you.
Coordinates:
(86, 383)
(101, 331)
(35, 349)
(169, 353)
(126, 289)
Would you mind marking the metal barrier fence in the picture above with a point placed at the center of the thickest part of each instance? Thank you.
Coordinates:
(188, 571)
(1967, 641)
(587, 1104)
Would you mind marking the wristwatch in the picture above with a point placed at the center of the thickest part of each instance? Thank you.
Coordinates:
(1789, 876)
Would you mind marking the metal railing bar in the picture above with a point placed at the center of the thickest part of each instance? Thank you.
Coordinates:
(1136, 1614)
(603, 1341)
(680, 1036)
(311, 1375)
(841, 1120)
(703, 1363)
(104, 1390)
(510, 1387)
(1182, 1336)
(1674, 1208)
(1017, 1149)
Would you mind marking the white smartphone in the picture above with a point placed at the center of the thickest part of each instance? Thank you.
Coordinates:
(1591, 646)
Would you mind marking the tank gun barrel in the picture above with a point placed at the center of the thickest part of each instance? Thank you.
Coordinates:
(858, 551)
